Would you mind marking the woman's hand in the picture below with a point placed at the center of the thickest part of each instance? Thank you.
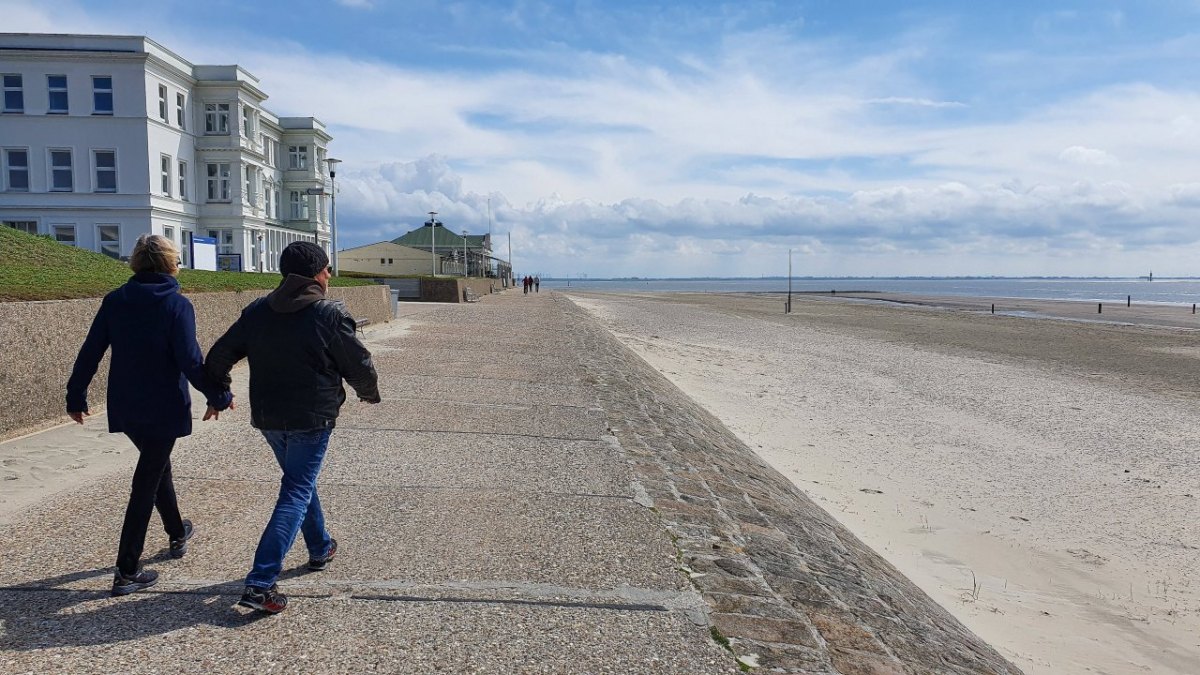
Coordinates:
(78, 416)
(214, 414)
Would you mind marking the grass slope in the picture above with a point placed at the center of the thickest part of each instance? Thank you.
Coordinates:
(39, 268)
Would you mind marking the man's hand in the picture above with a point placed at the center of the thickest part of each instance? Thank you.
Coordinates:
(78, 416)
(370, 400)
(214, 414)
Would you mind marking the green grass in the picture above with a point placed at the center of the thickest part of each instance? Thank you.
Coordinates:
(39, 268)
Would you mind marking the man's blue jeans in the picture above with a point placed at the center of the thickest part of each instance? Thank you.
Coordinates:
(300, 454)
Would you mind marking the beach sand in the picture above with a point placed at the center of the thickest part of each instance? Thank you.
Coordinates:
(1038, 478)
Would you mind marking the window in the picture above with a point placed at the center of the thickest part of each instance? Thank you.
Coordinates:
(389, 261)
(267, 151)
(299, 203)
(16, 170)
(218, 182)
(247, 122)
(224, 240)
(183, 180)
(164, 167)
(162, 102)
(297, 156)
(57, 87)
(105, 162)
(278, 203)
(14, 94)
(26, 226)
(62, 176)
(169, 233)
(216, 118)
(381, 261)
(64, 234)
(109, 238)
(248, 185)
(181, 111)
(269, 199)
(185, 248)
(102, 95)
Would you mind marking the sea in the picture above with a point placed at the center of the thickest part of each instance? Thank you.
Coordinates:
(1165, 291)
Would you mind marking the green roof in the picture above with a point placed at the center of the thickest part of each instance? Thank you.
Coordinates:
(446, 239)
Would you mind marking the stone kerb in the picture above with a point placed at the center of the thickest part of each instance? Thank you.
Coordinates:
(41, 339)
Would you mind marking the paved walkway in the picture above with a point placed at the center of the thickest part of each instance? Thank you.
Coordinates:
(493, 514)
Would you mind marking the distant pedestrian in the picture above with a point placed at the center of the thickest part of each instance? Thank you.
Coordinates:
(527, 283)
(151, 329)
(537, 284)
(300, 346)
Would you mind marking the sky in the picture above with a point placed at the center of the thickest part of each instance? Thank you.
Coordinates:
(678, 139)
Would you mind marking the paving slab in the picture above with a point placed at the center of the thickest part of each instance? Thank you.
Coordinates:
(486, 369)
(198, 632)
(428, 459)
(484, 390)
(479, 418)
(414, 535)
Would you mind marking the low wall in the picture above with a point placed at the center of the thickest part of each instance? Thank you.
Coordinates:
(451, 290)
(41, 339)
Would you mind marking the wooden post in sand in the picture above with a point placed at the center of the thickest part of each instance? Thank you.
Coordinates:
(993, 308)
(1100, 308)
(1128, 300)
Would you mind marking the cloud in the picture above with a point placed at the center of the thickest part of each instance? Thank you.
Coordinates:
(1077, 154)
(357, 4)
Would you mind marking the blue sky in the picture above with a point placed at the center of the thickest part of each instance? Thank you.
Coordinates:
(707, 138)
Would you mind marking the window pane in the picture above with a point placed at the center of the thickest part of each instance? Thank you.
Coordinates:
(102, 82)
(18, 158)
(58, 101)
(64, 234)
(103, 101)
(57, 81)
(106, 160)
(18, 179)
(106, 181)
(14, 100)
(12, 81)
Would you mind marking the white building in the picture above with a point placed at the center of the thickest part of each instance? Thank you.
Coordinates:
(105, 138)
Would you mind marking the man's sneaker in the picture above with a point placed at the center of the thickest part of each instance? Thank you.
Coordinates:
(318, 564)
(179, 546)
(124, 584)
(268, 600)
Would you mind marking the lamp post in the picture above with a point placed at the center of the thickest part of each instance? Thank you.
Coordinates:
(465, 264)
(433, 239)
(333, 209)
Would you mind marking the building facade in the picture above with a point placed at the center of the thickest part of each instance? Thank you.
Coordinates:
(106, 138)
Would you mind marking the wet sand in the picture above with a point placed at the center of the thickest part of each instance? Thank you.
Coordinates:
(1038, 477)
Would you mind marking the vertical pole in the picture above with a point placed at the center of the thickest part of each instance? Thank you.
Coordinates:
(433, 239)
(789, 307)
(465, 265)
(511, 278)
(1128, 300)
(1099, 307)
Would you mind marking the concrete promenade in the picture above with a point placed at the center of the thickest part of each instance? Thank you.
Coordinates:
(529, 497)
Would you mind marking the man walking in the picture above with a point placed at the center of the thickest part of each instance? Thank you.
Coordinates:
(300, 346)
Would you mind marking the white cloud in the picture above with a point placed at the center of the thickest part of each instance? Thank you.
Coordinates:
(1077, 154)
(357, 4)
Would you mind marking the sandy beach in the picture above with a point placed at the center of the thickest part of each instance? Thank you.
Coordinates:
(1037, 477)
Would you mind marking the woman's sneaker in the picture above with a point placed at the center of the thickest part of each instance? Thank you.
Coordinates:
(124, 584)
(179, 546)
(268, 600)
(318, 564)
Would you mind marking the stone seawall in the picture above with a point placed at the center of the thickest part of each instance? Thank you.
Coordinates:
(41, 339)
(789, 587)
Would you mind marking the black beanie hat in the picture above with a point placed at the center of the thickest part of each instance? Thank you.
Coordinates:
(303, 258)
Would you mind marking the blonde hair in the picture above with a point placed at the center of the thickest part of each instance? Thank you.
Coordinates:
(154, 253)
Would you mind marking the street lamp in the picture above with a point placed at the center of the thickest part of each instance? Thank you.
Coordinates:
(465, 254)
(433, 239)
(333, 209)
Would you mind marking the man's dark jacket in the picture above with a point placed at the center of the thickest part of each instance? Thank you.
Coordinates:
(300, 346)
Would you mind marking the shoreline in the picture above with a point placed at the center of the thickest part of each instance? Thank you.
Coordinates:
(1034, 477)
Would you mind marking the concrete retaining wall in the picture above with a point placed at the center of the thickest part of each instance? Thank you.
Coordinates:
(39, 342)
(451, 290)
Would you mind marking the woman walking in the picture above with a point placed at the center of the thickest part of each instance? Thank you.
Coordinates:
(151, 329)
